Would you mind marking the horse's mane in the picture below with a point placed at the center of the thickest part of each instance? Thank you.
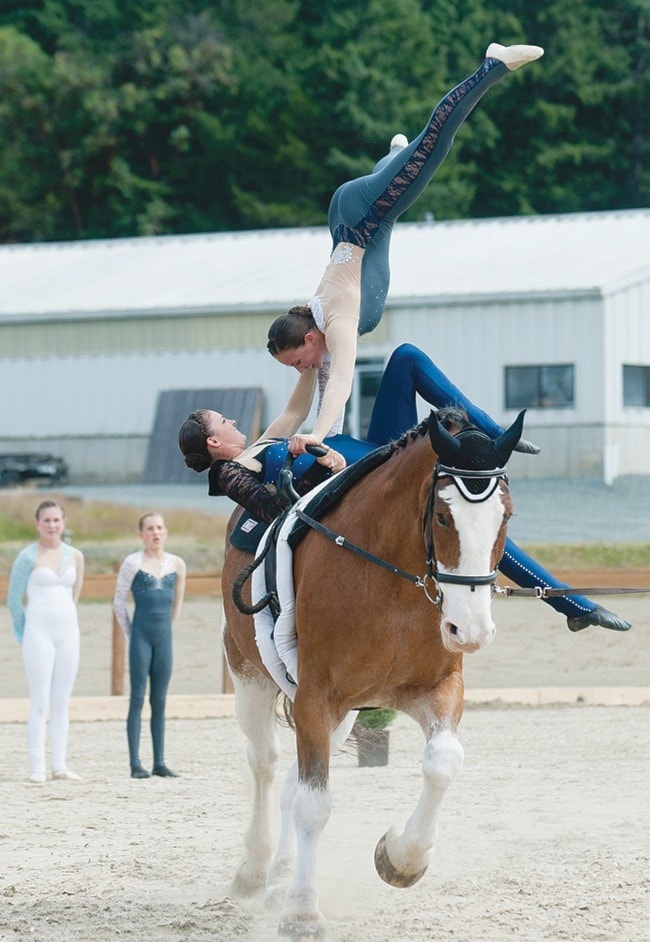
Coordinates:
(452, 418)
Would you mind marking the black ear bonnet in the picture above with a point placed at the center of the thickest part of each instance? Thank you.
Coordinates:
(464, 455)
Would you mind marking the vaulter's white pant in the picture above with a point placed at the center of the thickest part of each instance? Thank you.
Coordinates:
(51, 658)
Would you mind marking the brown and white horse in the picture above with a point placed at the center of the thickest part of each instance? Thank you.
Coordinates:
(367, 637)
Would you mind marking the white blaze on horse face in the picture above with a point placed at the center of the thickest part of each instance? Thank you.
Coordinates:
(467, 623)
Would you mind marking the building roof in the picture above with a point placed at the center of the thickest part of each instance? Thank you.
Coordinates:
(271, 269)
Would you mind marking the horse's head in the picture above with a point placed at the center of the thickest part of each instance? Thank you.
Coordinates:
(466, 522)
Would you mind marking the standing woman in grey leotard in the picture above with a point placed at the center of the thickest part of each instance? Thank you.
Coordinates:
(156, 580)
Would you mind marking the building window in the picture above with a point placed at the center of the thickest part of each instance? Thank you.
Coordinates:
(367, 377)
(636, 385)
(540, 387)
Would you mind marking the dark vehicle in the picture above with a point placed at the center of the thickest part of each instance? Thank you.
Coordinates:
(16, 469)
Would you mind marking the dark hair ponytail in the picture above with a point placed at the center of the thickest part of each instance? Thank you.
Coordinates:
(193, 441)
(287, 332)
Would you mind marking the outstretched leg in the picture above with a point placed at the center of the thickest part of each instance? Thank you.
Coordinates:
(581, 612)
(363, 211)
(410, 372)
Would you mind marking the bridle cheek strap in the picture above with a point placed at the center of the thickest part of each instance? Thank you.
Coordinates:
(494, 476)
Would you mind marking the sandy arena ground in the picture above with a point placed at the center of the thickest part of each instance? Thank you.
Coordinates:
(543, 835)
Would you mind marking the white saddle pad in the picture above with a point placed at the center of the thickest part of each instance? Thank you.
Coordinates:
(277, 641)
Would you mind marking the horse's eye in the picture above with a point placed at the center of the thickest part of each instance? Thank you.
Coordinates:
(441, 520)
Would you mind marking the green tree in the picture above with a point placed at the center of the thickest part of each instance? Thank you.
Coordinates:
(110, 145)
(124, 118)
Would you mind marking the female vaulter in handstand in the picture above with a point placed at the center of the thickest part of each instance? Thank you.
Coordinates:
(320, 339)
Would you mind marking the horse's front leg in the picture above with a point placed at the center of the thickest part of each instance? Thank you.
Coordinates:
(283, 864)
(402, 859)
(312, 804)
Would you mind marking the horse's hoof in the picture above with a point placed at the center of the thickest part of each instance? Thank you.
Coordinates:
(387, 871)
(247, 882)
(303, 927)
(274, 897)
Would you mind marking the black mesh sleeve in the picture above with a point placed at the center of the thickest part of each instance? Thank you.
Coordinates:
(242, 486)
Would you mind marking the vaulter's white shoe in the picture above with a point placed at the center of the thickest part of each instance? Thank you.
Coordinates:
(513, 56)
(398, 142)
(37, 778)
(66, 775)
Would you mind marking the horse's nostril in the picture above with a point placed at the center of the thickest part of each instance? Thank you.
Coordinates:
(453, 630)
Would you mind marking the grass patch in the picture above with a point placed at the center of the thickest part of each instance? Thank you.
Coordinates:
(106, 532)
(591, 555)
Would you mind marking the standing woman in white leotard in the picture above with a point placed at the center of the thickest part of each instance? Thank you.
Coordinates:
(49, 573)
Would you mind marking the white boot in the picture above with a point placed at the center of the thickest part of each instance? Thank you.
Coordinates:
(513, 56)
(399, 142)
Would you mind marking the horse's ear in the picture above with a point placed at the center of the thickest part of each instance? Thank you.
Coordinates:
(505, 443)
(443, 442)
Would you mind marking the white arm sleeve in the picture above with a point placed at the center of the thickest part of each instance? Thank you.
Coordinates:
(296, 410)
(341, 334)
(125, 577)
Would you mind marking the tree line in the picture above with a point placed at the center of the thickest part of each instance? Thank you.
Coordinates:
(146, 117)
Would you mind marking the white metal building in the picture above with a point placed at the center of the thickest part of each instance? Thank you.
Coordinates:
(552, 312)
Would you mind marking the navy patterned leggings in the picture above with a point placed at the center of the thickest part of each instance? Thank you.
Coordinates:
(363, 211)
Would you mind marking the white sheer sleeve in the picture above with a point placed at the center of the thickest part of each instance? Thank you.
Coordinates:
(125, 577)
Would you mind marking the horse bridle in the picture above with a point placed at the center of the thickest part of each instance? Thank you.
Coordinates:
(458, 477)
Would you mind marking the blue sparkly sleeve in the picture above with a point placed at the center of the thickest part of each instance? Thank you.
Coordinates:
(20, 571)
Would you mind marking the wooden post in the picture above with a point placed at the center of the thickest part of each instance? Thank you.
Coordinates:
(226, 679)
(117, 662)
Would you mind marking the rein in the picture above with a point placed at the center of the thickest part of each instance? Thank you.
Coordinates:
(420, 581)
(432, 574)
(537, 592)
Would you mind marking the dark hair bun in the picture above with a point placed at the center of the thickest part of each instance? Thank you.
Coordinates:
(300, 310)
(197, 462)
